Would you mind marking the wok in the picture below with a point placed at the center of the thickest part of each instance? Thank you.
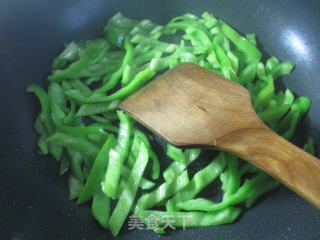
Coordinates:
(34, 198)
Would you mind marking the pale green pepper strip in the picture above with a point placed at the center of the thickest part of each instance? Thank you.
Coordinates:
(155, 164)
(128, 195)
(78, 144)
(71, 114)
(117, 75)
(145, 184)
(247, 189)
(97, 108)
(175, 153)
(99, 119)
(252, 53)
(75, 187)
(163, 192)
(175, 168)
(117, 156)
(69, 54)
(266, 186)
(45, 105)
(282, 69)
(191, 219)
(289, 123)
(101, 205)
(138, 137)
(265, 95)
(309, 146)
(231, 176)
(201, 179)
(140, 79)
(96, 173)
(76, 164)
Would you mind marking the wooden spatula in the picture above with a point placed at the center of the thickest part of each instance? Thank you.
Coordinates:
(191, 106)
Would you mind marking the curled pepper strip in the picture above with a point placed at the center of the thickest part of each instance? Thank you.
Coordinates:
(139, 80)
(201, 179)
(252, 53)
(163, 192)
(177, 167)
(117, 75)
(191, 219)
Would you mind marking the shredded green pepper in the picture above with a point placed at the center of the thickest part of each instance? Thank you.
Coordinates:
(96, 173)
(127, 197)
(192, 219)
(163, 192)
(79, 117)
(117, 156)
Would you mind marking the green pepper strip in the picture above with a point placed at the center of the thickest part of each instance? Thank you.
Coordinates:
(80, 131)
(45, 105)
(265, 186)
(99, 119)
(117, 75)
(248, 74)
(111, 116)
(231, 176)
(96, 173)
(175, 153)
(190, 26)
(75, 187)
(69, 54)
(42, 132)
(90, 150)
(252, 53)
(138, 137)
(282, 69)
(163, 192)
(64, 164)
(201, 179)
(38, 125)
(117, 156)
(79, 85)
(97, 108)
(105, 126)
(140, 79)
(155, 164)
(223, 59)
(274, 113)
(128, 195)
(191, 219)
(91, 54)
(119, 26)
(71, 115)
(289, 123)
(78, 144)
(175, 168)
(101, 207)
(265, 95)
(309, 146)
(76, 162)
(249, 188)
(145, 184)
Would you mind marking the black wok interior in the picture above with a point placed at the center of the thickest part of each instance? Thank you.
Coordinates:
(34, 198)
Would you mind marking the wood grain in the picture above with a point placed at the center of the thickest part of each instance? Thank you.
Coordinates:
(192, 106)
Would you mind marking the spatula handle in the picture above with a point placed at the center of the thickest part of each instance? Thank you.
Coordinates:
(289, 164)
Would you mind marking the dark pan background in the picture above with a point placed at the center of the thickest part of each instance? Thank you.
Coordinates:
(34, 198)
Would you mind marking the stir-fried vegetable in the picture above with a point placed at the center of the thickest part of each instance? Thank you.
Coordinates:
(106, 153)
